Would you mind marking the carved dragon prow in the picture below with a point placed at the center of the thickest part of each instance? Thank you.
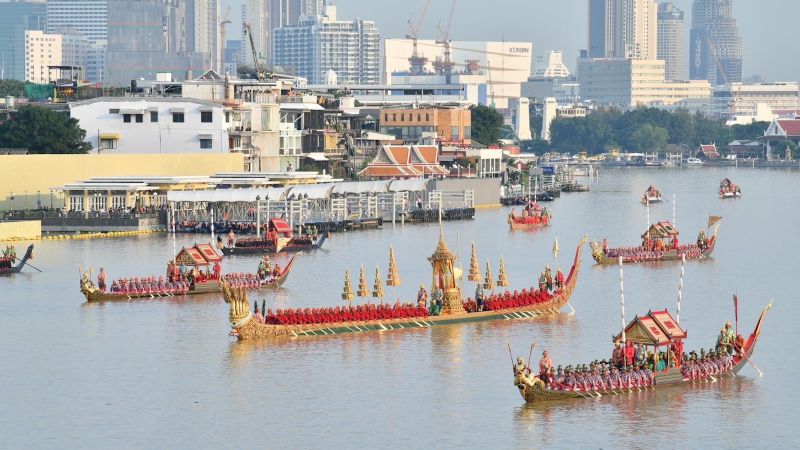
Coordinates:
(239, 311)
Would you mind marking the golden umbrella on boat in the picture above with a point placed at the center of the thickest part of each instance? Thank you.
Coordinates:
(488, 281)
(502, 279)
(377, 288)
(363, 291)
(393, 277)
(347, 293)
(474, 270)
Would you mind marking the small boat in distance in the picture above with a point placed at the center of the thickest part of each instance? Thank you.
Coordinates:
(696, 162)
(651, 195)
(659, 243)
(727, 189)
(665, 365)
(278, 239)
(7, 266)
(533, 217)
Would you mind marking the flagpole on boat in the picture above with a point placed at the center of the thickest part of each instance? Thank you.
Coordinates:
(674, 216)
(622, 301)
(680, 289)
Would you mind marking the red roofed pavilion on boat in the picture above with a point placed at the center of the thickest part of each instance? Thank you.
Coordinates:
(657, 328)
(197, 255)
(405, 161)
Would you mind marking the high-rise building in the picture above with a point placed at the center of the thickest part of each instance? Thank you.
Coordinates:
(623, 29)
(671, 32)
(554, 68)
(15, 19)
(146, 37)
(255, 16)
(41, 50)
(716, 46)
(87, 17)
(351, 49)
(202, 30)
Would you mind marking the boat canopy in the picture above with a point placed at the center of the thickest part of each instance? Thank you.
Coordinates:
(360, 187)
(663, 229)
(312, 191)
(656, 329)
(197, 255)
(280, 225)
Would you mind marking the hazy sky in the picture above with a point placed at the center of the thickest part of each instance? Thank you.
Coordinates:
(768, 27)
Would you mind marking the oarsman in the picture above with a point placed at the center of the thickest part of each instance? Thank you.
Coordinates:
(545, 366)
(101, 280)
(422, 297)
(231, 238)
(479, 297)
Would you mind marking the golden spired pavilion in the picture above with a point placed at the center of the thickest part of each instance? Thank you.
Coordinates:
(444, 277)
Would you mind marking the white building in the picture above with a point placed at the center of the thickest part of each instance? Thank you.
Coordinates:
(555, 67)
(319, 44)
(746, 102)
(203, 30)
(41, 50)
(152, 125)
(630, 83)
(506, 65)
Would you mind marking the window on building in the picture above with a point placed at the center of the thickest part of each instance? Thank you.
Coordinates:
(427, 117)
(394, 117)
(108, 144)
(386, 117)
(113, 111)
(454, 133)
(402, 117)
(419, 117)
(153, 116)
(265, 120)
(139, 118)
(206, 117)
(126, 118)
(227, 117)
(177, 117)
(410, 117)
(206, 144)
(467, 132)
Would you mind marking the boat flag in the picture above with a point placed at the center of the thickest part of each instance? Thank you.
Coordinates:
(713, 220)
(736, 311)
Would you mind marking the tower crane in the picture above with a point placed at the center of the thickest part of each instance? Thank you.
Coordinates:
(446, 66)
(260, 75)
(417, 62)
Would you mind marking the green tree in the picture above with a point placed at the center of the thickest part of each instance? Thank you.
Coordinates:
(649, 137)
(14, 88)
(749, 132)
(42, 130)
(486, 124)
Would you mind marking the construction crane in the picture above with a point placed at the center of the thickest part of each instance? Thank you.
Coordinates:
(417, 62)
(260, 75)
(224, 20)
(446, 66)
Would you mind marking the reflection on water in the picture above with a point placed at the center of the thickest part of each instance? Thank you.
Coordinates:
(163, 372)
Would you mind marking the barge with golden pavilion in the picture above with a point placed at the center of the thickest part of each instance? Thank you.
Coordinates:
(278, 239)
(546, 299)
(195, 270)
(656, 330)
(659, 243)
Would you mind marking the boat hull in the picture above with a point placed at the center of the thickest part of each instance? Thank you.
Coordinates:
(517, 226)
(727, 195)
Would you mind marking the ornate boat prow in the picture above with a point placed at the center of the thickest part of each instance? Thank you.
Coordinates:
(11, 268)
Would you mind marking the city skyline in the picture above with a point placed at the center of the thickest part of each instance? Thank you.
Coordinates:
(522, 23)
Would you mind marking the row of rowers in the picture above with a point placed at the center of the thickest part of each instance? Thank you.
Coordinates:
(336, 314)
(158, 285)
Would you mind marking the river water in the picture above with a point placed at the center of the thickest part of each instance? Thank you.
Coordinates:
(165, 373)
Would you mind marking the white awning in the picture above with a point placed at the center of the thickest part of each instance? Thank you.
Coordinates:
(131, 111)
(227, 195)
(206, 136)
(302, 107)
(411, 184)
(313, 191)
(176, 110)
(317, 156)
(360, 187)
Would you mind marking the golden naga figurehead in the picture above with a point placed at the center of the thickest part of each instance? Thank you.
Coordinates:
(597, 250)
(239, 304)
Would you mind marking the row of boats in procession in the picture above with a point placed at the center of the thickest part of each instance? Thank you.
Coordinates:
(660, 243)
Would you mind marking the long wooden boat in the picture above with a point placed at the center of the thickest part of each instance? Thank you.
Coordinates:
(539, 392)
(11, 268)
(517, 223)
(660, 231)
(729, 189)
(245, 326)
(93, 294)
(261, 246)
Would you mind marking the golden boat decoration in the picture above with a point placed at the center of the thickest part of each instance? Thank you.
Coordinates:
(447, 306)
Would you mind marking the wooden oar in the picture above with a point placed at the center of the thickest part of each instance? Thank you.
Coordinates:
(760, 373)
(28, 264)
